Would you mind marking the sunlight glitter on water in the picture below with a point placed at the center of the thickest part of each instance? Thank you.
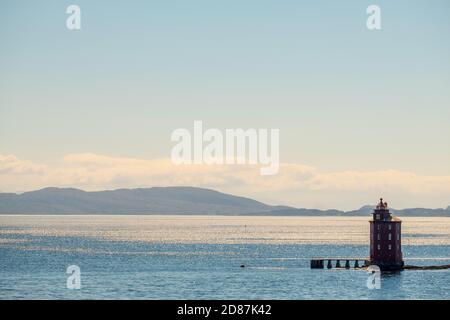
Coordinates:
(219, 229)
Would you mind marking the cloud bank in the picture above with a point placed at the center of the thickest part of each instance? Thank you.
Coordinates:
(296, 184)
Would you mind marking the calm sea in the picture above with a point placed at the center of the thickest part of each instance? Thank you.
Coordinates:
(198, 257)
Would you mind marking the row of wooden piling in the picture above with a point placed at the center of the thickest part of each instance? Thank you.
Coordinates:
(320, 263)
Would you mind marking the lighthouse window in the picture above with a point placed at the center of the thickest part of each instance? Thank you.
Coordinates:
(390, 227)
(390, 236)
(379, 247)
(378, 236)
(390, 247)
(378, 227)
(378, 216)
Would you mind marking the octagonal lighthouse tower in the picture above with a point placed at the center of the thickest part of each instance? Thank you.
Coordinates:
(385, 239)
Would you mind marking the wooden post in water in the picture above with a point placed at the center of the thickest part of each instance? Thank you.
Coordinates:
(317, 264)
(329, 265)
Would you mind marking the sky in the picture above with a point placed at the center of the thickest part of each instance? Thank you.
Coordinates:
(361, 113)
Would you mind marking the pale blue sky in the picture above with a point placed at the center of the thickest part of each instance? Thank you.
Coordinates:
(139, 69)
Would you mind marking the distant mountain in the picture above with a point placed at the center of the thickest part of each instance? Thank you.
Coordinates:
(169, 200)
(363, 212)
(165, 200)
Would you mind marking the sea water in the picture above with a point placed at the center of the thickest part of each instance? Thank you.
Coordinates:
(200, 257)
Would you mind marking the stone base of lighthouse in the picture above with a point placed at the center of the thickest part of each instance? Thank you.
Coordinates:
(389, 266)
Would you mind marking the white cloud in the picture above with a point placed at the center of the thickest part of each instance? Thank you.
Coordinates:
(10, 164)
(296, 184)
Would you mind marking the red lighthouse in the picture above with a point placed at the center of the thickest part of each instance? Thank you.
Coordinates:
(385, 239)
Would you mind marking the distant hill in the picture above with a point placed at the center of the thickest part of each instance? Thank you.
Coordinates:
(363, 212)
(169, 200)
(165, 200)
